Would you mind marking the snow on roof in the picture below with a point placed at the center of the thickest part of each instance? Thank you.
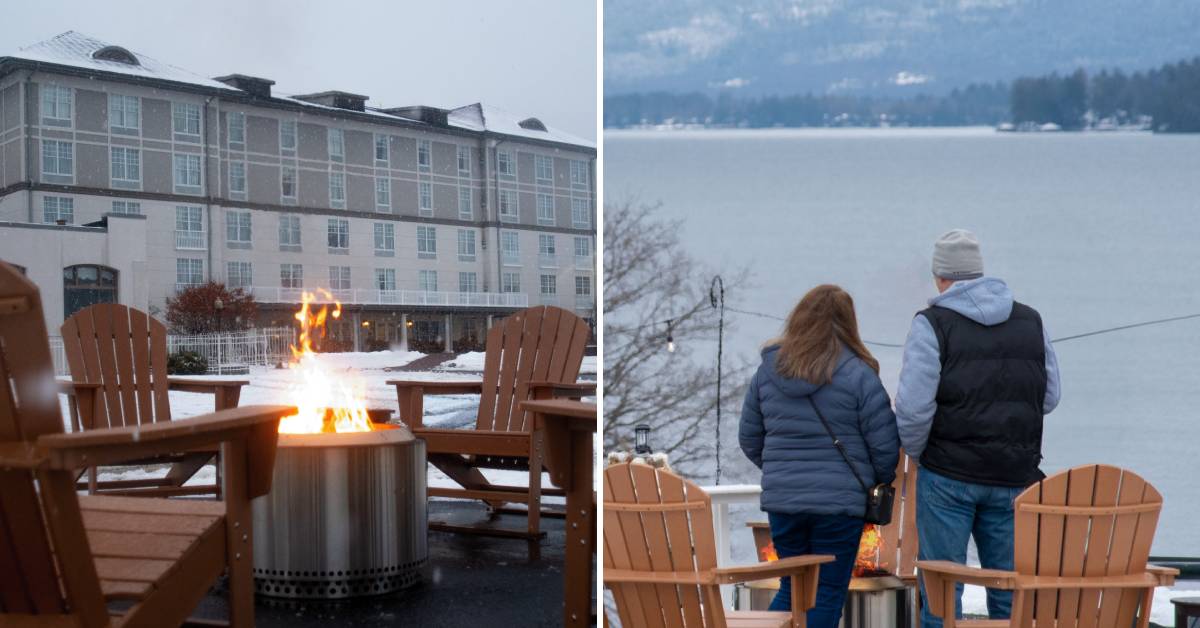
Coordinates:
(76, 49)
(480, 117)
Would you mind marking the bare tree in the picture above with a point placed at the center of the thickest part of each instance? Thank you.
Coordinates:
(649, 280)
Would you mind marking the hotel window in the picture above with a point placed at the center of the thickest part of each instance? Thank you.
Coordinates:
(237, 177)
(58, 158)
(239, 275)
(466, 245)
(464, 160)
(545, 209)
(425, 191)
(549, 284)
(383, 193)
(579, 172)
(339, 235)
(124, 113)
(185, 119)
(291, 276)
(583, 286)
(504, 163)
(287, 135)
(385, 278)
(583, 252)
(426, 242)
(381, 149)
(466, 209)
(580, 217)
(339, 277)
(237, 229)
(289, 231)
(126, 165)
(546, 251)
(56, 208)
(509, 209)
(337, 145)
(189, 228)
(189, 272)
(543, 167)
(510, 282)
(467, 282)
(385, 238)
(510, 249)
(126, 207)
(57, 102)
(337, 189)
(424, 154)
(287, 182)
(187, 171)
(237, 127)
(428, 280)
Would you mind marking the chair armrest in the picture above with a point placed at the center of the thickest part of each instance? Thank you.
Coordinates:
(1166, 575)
(550, 390)
(410, 395)
(958, 572)
(772, 569)
(22, 455)
(70, 387)
(81, 401)
(113, 445)
(196, 384)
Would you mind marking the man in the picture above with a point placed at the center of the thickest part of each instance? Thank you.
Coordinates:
(978, 376)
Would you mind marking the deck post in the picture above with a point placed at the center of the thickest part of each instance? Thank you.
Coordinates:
(449, 329)
(404, 332)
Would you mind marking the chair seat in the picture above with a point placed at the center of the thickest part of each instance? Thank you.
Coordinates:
(138, 542)
(757, 619)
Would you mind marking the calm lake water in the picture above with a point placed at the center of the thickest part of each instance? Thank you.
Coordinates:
(1093, 230)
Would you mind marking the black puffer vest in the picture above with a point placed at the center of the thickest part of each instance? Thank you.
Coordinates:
(988, 425)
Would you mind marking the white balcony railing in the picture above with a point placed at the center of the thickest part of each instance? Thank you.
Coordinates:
(511, 258)
(273, 294)
(547, 260)
(584, 302)
(583, 262)
(191, 240)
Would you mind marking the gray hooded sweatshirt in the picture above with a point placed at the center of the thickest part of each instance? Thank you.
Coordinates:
(987, 301)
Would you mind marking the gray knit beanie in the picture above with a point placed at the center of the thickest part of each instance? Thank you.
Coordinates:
(956, 256)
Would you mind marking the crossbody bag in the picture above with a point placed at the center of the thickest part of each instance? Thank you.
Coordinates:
(879, 497)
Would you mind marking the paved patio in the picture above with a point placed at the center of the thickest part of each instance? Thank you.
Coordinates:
(472, 580)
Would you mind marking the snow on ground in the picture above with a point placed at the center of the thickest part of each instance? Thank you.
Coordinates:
(1163, 613)
(473, 361)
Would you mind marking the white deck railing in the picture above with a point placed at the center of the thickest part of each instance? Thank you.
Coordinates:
(271, 294)
(253, 347)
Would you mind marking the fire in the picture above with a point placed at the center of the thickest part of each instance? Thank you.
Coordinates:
(327, 401)
(869, 561)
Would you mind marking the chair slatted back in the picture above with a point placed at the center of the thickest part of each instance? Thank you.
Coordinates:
(652, 539)
(1095, 520)
(124, 350)
(543, 343)
(899, 538)
(29, 583)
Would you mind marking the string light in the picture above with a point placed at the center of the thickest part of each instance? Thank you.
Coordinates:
(670, 337)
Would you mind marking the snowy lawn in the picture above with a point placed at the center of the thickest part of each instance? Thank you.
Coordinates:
(473, 362)
(269, 386)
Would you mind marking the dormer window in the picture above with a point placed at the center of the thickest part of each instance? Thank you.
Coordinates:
(117, 54)
(532, 124)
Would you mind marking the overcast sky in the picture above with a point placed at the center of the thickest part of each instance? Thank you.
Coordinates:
(531, 57)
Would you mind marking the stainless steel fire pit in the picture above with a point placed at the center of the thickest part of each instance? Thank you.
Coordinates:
(345, 516)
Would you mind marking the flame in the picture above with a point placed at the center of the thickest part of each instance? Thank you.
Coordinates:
(327, 401)
(869, 561)
(768, 553)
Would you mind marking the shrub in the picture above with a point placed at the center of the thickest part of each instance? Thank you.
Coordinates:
(186, 363)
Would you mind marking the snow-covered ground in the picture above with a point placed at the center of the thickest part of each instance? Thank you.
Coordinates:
(270, 386)
(473, 361)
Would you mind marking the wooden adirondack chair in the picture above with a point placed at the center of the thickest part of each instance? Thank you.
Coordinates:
(1082, 540)
(898, 556)
(66, 556)
(118, 361)
(660, 560)
(535, 353)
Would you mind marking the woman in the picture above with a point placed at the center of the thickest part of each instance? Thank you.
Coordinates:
(813, 501)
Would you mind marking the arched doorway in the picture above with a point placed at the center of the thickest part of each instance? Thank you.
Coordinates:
(87, 284)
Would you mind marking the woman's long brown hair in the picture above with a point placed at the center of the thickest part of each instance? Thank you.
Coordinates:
(815, 331)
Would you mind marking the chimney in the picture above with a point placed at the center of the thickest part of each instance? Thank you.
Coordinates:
(340, 100)
(428, 115)
(258, 87)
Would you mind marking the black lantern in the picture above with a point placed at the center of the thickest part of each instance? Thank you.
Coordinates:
(641, 439)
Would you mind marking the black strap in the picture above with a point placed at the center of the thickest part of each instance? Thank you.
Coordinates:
(837, 443)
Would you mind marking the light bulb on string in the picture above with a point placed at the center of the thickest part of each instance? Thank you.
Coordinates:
(670, 339)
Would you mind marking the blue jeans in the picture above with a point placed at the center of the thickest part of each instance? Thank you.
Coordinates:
(949, 512)
(799, 534)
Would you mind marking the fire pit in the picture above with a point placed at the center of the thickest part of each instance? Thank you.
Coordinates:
(877, 599)
(346, 515)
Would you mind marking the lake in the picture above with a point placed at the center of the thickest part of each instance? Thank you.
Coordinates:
(1094, 230)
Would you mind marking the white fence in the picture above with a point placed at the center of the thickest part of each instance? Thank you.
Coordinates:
(224, 351)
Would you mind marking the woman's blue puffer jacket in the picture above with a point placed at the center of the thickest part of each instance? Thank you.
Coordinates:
(802, 470)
